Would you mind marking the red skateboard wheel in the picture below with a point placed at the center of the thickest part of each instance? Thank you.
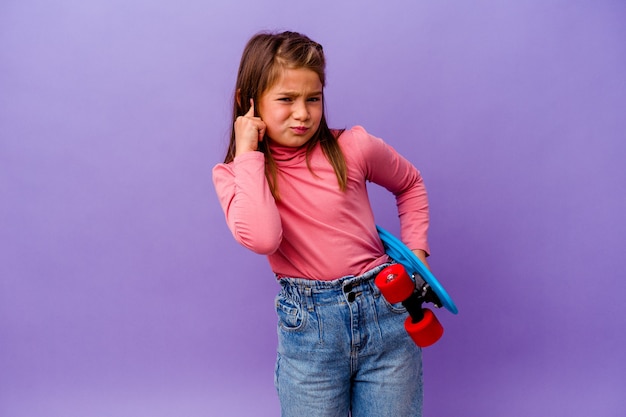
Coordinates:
(426, 331)
(394, 283)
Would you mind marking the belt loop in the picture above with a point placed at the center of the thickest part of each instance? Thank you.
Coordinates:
(309, 299)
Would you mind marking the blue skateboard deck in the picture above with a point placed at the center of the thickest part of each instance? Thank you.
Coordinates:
(400, 253)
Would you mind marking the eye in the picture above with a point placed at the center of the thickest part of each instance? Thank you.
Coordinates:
(285, 99)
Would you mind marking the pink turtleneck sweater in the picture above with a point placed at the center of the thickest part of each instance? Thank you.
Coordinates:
(317, 231)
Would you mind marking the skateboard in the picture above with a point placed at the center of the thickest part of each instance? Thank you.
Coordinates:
(410, 282)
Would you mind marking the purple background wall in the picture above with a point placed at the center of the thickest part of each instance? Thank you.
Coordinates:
(122, 292)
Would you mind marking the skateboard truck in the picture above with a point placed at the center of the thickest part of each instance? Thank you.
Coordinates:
(396, 286)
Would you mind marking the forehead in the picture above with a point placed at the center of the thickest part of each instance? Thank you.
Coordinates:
(296, 80)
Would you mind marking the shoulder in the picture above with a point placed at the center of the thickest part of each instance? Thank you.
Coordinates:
(357, 136)
(357, 139)
(354, 133)
(248, 158)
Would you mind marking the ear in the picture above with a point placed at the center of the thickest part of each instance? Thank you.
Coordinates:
(238, 97)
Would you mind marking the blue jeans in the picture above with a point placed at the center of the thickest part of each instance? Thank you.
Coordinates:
(343, 350)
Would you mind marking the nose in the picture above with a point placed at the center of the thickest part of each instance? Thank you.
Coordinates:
(300, 110)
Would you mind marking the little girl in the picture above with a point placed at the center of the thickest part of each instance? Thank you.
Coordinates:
(295, 190)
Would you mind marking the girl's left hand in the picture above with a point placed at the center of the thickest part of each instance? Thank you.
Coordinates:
(421, 255)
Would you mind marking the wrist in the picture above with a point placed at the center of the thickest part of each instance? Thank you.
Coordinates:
(242, 150)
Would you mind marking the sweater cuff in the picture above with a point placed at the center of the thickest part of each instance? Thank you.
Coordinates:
(249, 156)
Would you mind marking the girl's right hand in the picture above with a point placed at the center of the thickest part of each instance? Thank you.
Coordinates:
(249, 131)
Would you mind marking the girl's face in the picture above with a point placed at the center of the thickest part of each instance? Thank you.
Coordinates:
(292, 108)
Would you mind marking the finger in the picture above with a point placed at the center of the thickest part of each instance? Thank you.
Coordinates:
(261, 129)
(250, 112)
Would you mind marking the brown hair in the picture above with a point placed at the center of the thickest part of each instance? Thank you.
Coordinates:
(263, 58)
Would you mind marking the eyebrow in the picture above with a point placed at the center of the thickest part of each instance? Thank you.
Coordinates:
(294, 93)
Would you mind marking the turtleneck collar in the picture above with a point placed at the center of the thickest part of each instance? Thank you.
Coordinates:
(286, 155)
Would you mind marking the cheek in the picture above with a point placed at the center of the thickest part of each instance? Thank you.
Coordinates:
(275, 114)
(317, 114)
(273, 123)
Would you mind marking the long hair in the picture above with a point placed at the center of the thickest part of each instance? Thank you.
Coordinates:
(263, 58)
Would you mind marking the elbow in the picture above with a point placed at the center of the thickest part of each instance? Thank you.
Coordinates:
(264, 244)
(266, 248)
(260, 234)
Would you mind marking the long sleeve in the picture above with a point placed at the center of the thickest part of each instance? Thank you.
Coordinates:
(248, 204)
(385, 167)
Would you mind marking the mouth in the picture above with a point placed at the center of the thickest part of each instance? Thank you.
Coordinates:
(300, 130)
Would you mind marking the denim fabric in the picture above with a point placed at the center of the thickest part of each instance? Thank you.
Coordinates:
(342, 349)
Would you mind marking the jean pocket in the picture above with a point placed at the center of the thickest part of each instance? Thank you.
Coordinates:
(397, 308)
(290, 313)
